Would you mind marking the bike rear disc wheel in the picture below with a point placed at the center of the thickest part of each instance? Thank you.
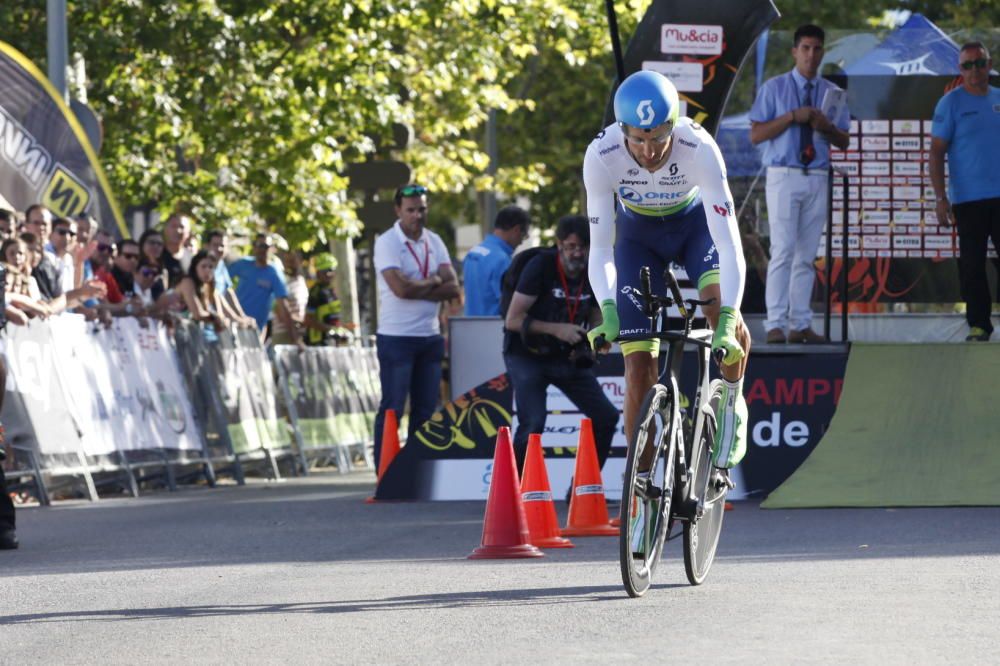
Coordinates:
(645, 506)
(701, 536)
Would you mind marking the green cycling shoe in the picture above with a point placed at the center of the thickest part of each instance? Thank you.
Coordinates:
(731, 428)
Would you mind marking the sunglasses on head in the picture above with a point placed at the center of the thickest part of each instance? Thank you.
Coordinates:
(411, 191)
(978, 63)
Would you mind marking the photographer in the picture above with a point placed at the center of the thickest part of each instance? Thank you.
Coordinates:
(545, 341)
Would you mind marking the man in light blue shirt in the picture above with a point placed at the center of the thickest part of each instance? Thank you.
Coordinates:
(796, 135)
(259, 286)
(486, 263)
(966, 127)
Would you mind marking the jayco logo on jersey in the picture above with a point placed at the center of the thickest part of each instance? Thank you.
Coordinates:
(635, 182)
(645, 112)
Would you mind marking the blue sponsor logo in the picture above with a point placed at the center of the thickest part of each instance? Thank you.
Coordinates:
(610, 149)
(628, 194)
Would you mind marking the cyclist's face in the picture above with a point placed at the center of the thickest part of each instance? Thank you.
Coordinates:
(573, 252)
(649, 147)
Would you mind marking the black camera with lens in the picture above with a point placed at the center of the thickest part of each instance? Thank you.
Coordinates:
(582, 354)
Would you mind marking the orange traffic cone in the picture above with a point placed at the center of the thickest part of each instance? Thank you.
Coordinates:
(536, 495)
(588, 510)
(505, 528)
(390, 447)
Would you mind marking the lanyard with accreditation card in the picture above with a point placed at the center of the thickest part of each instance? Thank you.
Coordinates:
(425, 268)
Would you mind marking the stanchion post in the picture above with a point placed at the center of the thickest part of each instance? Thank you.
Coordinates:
(293, 416)
(828, 263)
(844, 254)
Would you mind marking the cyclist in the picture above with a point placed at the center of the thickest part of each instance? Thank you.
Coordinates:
(673, 205)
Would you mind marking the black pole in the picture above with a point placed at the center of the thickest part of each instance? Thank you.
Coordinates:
(616, 44)
(828, 267)
(843, 272)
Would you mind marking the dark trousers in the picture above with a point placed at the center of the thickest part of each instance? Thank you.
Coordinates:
(977, 221)
(531, 377)
(408, 365)
(6, 505)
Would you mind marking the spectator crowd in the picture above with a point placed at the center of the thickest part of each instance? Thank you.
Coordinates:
(53, 264)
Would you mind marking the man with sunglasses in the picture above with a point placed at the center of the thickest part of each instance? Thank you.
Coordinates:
(62, 243)
(125, 264)
(100, 265)
(260, 286)
(414, 276)
(966, 128)
(673, 205)
(788, 122)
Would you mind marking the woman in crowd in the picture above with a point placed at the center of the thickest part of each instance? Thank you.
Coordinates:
(151, 250)
(197, 289)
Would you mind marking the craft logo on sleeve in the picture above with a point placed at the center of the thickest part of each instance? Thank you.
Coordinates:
(688, 39)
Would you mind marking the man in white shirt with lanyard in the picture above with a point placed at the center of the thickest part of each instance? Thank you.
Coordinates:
(414, 275)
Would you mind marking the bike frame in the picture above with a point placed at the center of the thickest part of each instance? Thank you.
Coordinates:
(656, 310)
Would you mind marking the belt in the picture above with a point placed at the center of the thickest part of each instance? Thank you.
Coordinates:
(802, 171)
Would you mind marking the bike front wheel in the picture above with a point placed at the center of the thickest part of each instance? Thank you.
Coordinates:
(701, 535)
(647, 491)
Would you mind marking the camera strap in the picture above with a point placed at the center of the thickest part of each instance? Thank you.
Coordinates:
(572, 305)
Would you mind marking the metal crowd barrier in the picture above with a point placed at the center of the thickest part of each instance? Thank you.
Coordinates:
(132, 404)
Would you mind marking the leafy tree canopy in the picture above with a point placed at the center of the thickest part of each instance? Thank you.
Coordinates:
(251, 109)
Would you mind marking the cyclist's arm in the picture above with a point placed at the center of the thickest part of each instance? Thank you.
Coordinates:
(721, 215)
(601, 211)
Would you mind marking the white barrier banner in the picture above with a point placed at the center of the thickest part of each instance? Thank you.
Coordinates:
(123, 386)
(32, 374)
(84, 371)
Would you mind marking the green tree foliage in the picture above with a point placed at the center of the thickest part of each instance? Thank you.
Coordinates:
(236, 109)
(233, 108)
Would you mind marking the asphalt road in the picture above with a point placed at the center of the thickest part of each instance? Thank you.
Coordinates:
(304, 571)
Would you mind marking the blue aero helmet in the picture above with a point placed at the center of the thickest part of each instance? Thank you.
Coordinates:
(646, 100)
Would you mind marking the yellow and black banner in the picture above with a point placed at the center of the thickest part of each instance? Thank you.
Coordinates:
(45, 155)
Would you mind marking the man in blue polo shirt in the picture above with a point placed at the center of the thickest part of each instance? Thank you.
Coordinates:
(486, 263)
(966, 127)
(787, 118)
(259, 286)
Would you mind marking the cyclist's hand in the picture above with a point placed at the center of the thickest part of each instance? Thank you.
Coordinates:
(609, 324)
(725, 336)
